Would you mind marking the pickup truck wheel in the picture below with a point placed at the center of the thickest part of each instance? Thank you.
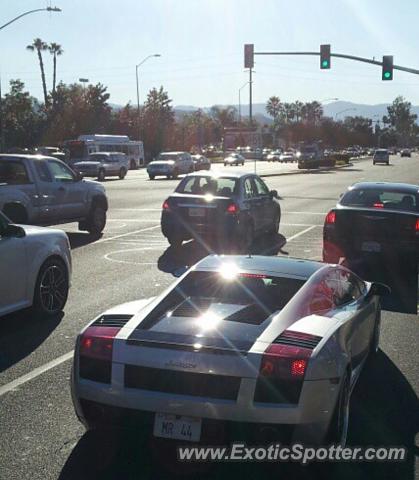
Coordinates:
(16, 212)
(122, 173)
(96, 221)
(101, 175)
(51, 289)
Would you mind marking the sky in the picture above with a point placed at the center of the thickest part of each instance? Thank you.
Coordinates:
(201, 47)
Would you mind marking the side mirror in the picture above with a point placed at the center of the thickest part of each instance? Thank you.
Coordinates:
(14, 231)
(274, 194)
(178, 272)
(379, 289)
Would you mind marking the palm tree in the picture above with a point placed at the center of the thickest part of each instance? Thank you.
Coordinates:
(40, 46)
(273, 107)
(55, 50)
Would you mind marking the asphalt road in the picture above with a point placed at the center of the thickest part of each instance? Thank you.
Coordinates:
(41, 438)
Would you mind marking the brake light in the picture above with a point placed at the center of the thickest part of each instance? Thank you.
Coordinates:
(283, 368)
(97, 342)
(232, 209)
(378, 205)
(330, 217)
(285, 361)
(252, 275)
(417, 225)
(166, 206)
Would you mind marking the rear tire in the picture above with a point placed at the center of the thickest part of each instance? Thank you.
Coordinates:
(101, 175)
(175, 174)
(275, 227)
(122, 173)
(246, 240)
(338, 430)
(51, 288)
(375, 340)
(151, 177)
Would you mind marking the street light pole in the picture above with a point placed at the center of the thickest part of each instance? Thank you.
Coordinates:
(343, 111)
(138, 89)
(240, 105)
(48, 9)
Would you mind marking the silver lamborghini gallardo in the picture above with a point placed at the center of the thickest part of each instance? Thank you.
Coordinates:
(263, 347)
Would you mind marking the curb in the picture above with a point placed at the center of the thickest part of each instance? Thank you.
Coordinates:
(306, 171)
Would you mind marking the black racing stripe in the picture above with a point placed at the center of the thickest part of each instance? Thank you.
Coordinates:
(179, 341)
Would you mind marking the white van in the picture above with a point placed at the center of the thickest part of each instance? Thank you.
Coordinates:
(170, 165)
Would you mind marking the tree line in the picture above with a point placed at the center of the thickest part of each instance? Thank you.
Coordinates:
(69, 110)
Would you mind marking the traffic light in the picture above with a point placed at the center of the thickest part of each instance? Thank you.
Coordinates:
(387, 73)
(248, 55)
(324, 56)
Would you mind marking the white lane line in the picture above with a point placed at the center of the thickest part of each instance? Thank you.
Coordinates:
(108, 239)
(139, 209)
(35, 373)
(304, 213)
(306, 230)
(145, 220)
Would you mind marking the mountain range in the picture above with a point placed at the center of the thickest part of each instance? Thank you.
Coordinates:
(332, 109)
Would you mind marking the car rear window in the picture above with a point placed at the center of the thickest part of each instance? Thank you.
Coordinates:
(376, 198)
(202, 185)
(13, 173)
(246, 298)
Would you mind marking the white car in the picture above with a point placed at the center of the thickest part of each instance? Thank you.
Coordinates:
(234, 159)
(263, 345)
(35, 268)
(170, 165)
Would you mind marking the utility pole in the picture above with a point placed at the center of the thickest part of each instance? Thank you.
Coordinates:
(1, 122)
(250, 98)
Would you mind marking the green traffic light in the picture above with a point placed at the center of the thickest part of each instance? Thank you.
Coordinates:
(325, 63)
(387, 74)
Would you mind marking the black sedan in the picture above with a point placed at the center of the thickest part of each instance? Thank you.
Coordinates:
(231, 209)
(374, 230)
(372, 217)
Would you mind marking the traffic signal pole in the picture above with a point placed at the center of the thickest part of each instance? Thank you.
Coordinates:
(347, 57)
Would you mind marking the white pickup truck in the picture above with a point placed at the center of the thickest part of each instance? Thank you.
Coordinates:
(41, 190)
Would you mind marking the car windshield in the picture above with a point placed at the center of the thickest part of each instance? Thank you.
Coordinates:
(99, 158)
(376, 198)
(245, 298)
(202, 185)
(167, 156)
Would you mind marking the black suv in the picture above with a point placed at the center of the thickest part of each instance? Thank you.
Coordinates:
(231, 209)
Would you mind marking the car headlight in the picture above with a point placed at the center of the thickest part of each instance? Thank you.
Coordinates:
(298, 154)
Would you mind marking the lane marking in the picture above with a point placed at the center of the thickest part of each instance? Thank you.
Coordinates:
(306, 230)
(108, 239)
(304, 213)
(35, 373)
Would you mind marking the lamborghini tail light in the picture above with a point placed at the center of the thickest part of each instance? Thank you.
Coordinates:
(283, 368)
(95, 353)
